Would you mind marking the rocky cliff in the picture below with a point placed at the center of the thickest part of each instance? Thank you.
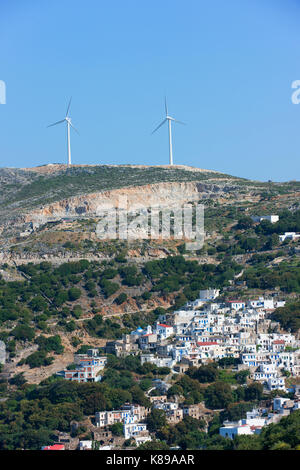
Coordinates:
(151, 195)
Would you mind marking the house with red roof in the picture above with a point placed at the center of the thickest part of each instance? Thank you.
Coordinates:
(163, 331)
(54, 447)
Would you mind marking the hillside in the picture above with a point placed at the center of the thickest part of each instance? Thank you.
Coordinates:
(68, 199)
(28, 188)
(63, 290)
(56, 209)
(25, 189)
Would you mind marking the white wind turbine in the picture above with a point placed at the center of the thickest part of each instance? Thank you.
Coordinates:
(168, 119)
(67, 119)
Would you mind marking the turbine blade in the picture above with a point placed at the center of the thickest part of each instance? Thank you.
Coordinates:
(68, 106)
(58, 122)
(74, 128)
(179, 122)
(166, 106)
(156, 129)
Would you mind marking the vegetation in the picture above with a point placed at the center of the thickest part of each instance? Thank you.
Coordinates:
(51, 301)
(41, 189)
(288, 316)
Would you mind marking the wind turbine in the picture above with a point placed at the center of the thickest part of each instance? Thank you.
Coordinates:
(67, 119)
(168, 119)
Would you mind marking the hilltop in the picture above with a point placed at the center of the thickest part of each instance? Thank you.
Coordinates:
(27, 188)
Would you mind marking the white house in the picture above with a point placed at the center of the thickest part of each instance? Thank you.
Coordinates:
(158, 361)
(86, 370)
(265, 372)
(207, 346)
(252, 424)
(233, 429)
(209, 294)
(164, 331)
(133, 429)
(235, 304)
(289, 235)
(85, 445)
(127, 414)
(261, 303)
(148, 341)
(278, 403)
(142, 439)
(276, 383)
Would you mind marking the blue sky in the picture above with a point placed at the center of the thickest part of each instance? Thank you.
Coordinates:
(225, 66)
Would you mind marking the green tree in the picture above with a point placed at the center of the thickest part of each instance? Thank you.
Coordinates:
(74, 294)
(153, 445)
(117, 429)
(23, 332)
(254, 391)
(218, 395)
(156, 420)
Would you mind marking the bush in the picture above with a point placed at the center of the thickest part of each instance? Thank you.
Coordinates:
(156, 420)
(38, 359)
(23, 332)
(121, 298)
(205, 374)
(117, 429)
(74, 294)
(218, 395)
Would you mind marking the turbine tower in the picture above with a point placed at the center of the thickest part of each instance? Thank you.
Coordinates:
(168, 119)
(67, 119)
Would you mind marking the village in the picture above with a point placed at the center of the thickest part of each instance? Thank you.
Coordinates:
(203, 331)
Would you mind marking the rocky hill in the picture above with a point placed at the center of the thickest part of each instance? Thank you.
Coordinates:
(43, 208)
(48, 217)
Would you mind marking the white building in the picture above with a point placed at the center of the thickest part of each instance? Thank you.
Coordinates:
(85, 445)
(265, 372)
(140, 332)
(208, 294)
(134, 429)
(158, 361)
(142, 439)
(270, 218)
(252, 424)
(261, 303)
(232, 429)
(235, 304)
(163, 331)
(87, 368)
(278, 403)
(276, 383)
(289, 235)
(127, 414)
(2, 352)
(148, 341)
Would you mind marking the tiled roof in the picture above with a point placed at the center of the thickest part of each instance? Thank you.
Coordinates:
(54, 447)
(207, 343)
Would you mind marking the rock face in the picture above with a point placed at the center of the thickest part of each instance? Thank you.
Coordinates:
(2, 353)
(152, 195)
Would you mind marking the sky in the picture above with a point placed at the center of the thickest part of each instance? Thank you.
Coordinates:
(226, 68)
